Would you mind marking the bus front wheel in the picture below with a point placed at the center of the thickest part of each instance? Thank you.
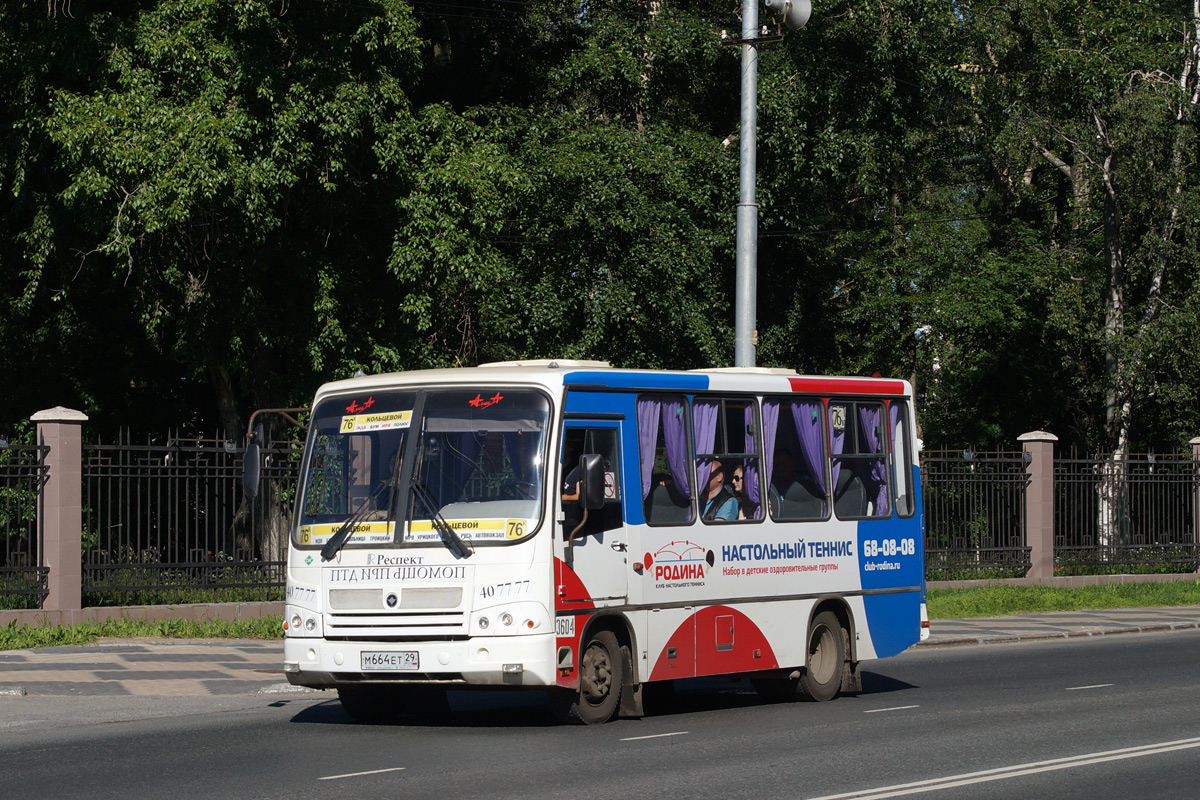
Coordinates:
(601, 676)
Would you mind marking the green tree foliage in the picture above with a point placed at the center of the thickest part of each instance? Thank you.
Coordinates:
(211, 207)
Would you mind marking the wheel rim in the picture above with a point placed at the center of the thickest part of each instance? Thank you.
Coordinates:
(596, 678)
(822, 655)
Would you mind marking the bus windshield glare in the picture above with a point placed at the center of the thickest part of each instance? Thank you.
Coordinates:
(477, 456)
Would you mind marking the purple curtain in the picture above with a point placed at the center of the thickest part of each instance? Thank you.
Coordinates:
(770, 427)
(807, 416)
(704, 423)
(675, 434)
(647, 422)
(868, 418)
(751, 467)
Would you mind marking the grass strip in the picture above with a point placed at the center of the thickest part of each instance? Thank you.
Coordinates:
(984, 601)
(1002, 599)
(13, 637)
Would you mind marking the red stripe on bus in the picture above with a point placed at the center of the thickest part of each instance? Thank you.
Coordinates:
(846, 386)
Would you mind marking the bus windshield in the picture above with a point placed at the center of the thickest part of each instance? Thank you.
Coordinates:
(478, 458)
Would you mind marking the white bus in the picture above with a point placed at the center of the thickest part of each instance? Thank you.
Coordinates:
(570, 527)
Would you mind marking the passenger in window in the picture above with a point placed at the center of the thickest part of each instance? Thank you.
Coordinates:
(738, 481)
(572, 513)
(717, 502)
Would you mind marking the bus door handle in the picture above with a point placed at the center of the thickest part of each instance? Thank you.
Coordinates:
(620, 547)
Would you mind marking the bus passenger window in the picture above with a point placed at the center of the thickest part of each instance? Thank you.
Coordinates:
(795, 447)
(902, 465)
(860, 478)
(663, 445)
(726, 460)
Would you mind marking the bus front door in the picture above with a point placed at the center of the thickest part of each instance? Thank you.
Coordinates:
(596, 542)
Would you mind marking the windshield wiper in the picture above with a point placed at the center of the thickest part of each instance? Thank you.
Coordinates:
(342, 535)
(454, 543)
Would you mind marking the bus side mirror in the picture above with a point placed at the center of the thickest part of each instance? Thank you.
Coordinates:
(591, 476)
(251, 462)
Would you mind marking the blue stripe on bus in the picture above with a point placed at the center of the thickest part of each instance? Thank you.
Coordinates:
(638, 380)
(893, 619)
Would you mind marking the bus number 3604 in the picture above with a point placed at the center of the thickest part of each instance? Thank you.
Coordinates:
(889, 547)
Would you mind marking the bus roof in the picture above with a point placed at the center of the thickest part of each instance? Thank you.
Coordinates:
(579, 374)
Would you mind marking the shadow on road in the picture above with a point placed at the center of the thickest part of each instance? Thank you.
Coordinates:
(530, 709)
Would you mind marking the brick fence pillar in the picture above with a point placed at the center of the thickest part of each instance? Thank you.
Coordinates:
(1039, 501)
(60, 512)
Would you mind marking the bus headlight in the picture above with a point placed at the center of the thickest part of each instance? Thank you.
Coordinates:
(301, 622)
(512, 619)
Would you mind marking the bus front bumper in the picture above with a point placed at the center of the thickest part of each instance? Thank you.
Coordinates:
(479, 661)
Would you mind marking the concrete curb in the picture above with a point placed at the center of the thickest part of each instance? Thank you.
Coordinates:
(286, 688)
(1079, 633)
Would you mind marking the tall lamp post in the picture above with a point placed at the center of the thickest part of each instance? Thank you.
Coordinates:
(795, 14)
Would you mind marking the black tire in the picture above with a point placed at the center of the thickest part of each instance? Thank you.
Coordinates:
(824, 659)
(601, 677)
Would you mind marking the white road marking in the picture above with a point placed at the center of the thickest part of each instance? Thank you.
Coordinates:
(1093, 686)
(357, 774)
(893, 708)
(1014, 771)
(654, 736)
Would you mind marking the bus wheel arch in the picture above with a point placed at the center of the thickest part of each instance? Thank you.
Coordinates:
(607, 680)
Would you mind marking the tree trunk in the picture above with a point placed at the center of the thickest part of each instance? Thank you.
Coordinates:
(259, 525)
(1112, 510)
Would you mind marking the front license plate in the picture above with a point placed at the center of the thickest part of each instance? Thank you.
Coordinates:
(404, 659)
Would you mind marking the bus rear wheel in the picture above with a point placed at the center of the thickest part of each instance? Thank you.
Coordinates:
(824, 659)
(601, 676)
(824, 664)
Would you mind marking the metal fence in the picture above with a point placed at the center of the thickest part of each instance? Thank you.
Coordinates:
(169, 522)
(22, 474)
(1125, 516)
(974, 507)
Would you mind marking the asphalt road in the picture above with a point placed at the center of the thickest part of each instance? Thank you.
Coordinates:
(1089, 718)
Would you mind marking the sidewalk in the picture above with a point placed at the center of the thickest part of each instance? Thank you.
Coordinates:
(1060, 625)
(235, 666)
(180, 667)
